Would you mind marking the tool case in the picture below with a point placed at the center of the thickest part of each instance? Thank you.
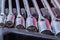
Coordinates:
(23, 34)
(17, 34)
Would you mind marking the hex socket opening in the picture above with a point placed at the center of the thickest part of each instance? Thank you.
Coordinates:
(47, 32)
(9, 24)
(20, 27)
(32, 28)
(2, 24)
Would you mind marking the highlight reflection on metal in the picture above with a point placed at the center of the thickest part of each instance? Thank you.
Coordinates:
(31, 22)
(55, 22)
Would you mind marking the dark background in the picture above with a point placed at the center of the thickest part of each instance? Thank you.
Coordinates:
(30, 3)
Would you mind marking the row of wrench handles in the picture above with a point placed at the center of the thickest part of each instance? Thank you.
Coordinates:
(30, 23)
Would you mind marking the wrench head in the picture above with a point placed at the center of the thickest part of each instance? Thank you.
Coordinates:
(31, 24)
(10, 20)
(44, 26)
(20, 22)
(56, 27)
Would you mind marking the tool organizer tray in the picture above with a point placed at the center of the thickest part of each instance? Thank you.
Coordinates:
(5, 31)
(24, 32)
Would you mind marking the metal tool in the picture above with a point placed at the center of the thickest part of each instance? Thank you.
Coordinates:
(45, 13)
(2, 15)
(20, 22)
(6, 11)
(23, 12)
(10, 17)
(56, 12)
(14, 11)
(31, 22)
(33, 12)
(53, 3)
(55, 22)
(43, 23)
(56, 3)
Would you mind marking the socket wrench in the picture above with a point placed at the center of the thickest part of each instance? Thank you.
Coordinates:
(10, 17)
(55, 22)
(43, 23)
(20, 21)
(31, 22)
